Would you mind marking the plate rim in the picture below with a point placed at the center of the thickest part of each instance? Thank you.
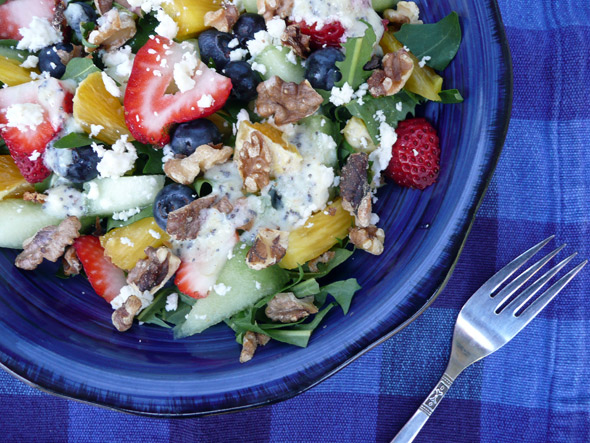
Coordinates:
(506, 84)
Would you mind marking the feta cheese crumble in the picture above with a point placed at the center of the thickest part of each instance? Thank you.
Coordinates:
(206, 101)
(221, 289)
(25, 116)
(110, 85)
(341, 96)
(184, 71)
(38, 35)
(30, 62)
(172, 302)
(95, 130)
(126, 292)
(119, 160)
(167, 27)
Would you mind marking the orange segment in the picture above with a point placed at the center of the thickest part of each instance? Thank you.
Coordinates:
(189, 15)
(12, 183)
(93, 105)
(12, 74)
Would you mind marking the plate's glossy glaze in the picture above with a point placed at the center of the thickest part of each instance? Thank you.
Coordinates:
(57, 335)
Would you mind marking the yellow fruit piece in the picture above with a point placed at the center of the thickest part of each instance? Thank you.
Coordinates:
(189, 15)
(12, 183)
(93, 105)
(125, 246)
(324, 231)
(285, 156)
(424, 81)
(12, 74)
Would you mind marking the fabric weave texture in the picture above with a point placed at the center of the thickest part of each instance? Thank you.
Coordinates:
(536, 389)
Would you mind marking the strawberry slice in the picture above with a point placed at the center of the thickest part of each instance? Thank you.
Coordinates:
(16, 14)
(106, 279)
(330, 34)
(149, 110)
(31, 115)
(191, 281)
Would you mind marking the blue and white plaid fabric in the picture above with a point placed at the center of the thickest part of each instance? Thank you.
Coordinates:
(536, 389)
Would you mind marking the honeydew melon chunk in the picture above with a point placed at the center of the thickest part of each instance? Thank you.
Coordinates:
(250, 6)
(20, 220)
(276, 61)
(104, 196)
(241, 286)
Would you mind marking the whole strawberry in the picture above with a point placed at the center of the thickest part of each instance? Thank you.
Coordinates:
(415, 160)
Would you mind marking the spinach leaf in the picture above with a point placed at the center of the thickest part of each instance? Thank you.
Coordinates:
(152, 158)
(358, 52)
(394, 108)
(148, 315)
(342, 291)
(450, 96)
(145, 27)
(306, 287)
(439, 41)
(74, 140)
(79, 68)
(144, 213)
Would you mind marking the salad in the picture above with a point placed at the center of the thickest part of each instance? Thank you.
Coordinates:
(202, 162)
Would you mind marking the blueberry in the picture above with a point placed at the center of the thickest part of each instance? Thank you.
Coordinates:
(76, 165)
(53, 59)
(187, 137)
(214, 45)
(321, 70)
(169, 199)
(78, 13)
(243, 79)
(248, 25)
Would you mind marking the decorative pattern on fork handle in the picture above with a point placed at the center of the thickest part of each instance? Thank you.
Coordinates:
(437, 394)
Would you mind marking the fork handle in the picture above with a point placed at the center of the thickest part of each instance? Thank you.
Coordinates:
(410, 430)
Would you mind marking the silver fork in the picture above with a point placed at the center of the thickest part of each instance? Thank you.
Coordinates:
(488, 321)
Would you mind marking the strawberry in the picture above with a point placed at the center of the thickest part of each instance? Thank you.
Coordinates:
(16, 14)
(190, 281)
(415, 160)
(328, 35)
(149, 110)
(106, 279)
(26, 144)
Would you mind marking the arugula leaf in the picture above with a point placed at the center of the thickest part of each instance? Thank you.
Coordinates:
(74, 140)
(450, 96)
(342, 291)
(145, 27)
(153, 163)
(389, 106)
(85, 29)
(148, 211)
(148, 315)
(358, 52)
(79, 68)
(439, 41)
(306, 287)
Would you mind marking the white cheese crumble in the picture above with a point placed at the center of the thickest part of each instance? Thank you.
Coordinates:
(110, 85)
(154, 234)
(25, 116)
(38, 35)
(167, 27)
(234, 43)
(127, 241)
(168, 154)
(341, 96)
(184, 71)
(206, 101)
(257, 284)
(238, 54)
(126, 292)
(276, 27)
(221, 289)
(30, 62)
(261, 40)
(35, 155)
(399, 106)
(259, 67)
(95, 130)
(118, 63)
(382, 155)
(172, 302)
(126, 215)
(424, 60)
(119, 160)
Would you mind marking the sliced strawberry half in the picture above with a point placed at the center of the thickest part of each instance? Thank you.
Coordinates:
(106, 279)
(27, 143)
(149, 110)
(16, 14)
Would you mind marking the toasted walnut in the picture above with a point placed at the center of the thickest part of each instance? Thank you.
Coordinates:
(224, 205)
(355, 189)
(405, 12)
(185, 223)
(288, 102)
(295, 39)
(123, 317)
(153, 272)
(324, 258)
(71, 263)
(286, 308)
(397, 69)
(369, 239)
(103, 6)
(49, 243)
(223, 19)
(245, 216)
(116, 28)
(274, 8)
(34, 197)
(254, 162)
(59, 18)
(250, 342)
(269, 247)
(262, 339)
(185, 170)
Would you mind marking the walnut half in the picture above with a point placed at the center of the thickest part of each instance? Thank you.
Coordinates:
(286, 308)
(295, 39)
(224, 18)
(288, 102)
(274, 8)
(254, 161)
(268, 249)
(185, 223)
(153, 272)
(123, 317)
(397, 69)
(185, 170)
(114, 30)
(369, 239)
(250, 342)
(405, 13)
(355, 189)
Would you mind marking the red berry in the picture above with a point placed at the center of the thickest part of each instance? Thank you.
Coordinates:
(415, 160)
(328, 35)
(16, 14)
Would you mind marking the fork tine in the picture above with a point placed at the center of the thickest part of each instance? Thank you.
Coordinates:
(530, 292)
(506, 272)
(539, 304)
(504, 295)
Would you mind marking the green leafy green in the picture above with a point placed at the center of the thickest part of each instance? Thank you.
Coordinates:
(79, 68)
(86, 29)
(439, 41)
(152, 158)
(148, 211)
(199, 183)
(394, 109)
(8, 50)
(157, 314)
(3, 148)
(306, 287)
(450, 96)
(74, 140)
(145, 27)
(358, 52)
(148, 315)
(342, 291)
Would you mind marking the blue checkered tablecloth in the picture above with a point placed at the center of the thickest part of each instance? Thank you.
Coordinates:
(536, 389)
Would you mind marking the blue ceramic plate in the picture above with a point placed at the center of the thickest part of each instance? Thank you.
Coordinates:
(57, 335)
